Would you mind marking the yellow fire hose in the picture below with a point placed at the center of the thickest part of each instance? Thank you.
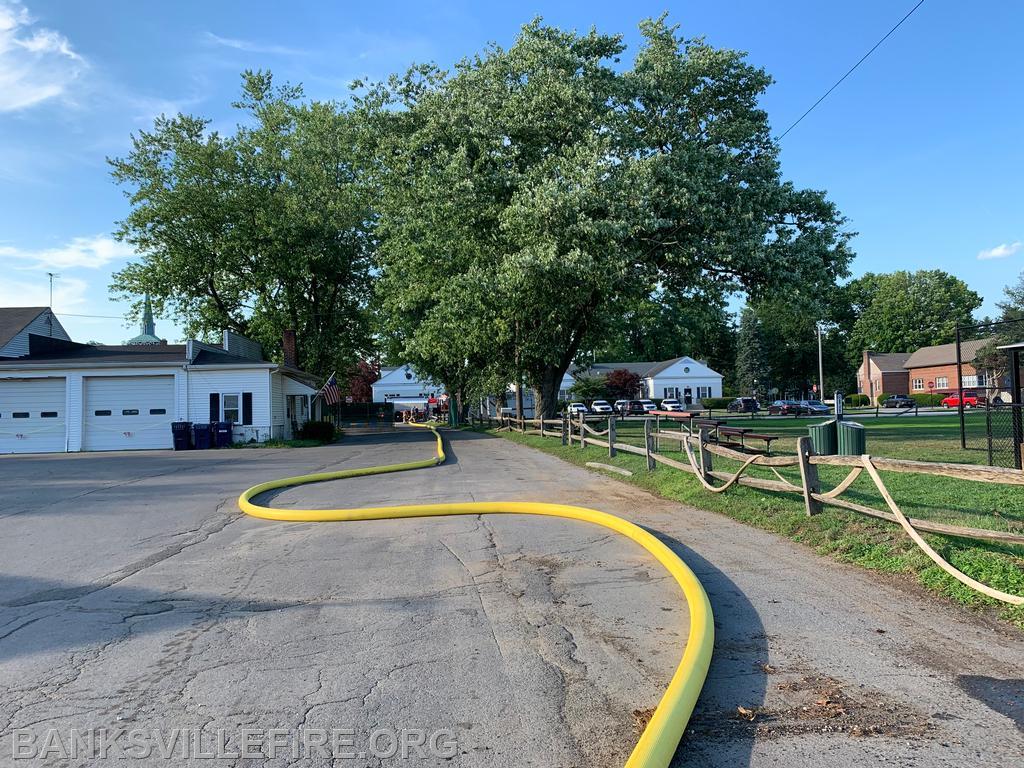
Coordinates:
(657, 744)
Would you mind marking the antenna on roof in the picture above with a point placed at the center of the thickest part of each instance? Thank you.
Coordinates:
(51, 276)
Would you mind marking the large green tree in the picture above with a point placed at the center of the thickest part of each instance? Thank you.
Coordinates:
(561, 190)
(264, 229)
(902, 311)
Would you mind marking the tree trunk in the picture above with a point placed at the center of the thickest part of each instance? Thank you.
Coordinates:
(519, 399)
(546, 406)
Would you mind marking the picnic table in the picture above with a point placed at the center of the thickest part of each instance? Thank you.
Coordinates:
(739, 435)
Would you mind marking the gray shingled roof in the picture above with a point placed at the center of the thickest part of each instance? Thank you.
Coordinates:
(945, 354)
(888, 362)
(14, 319)
(156, 353)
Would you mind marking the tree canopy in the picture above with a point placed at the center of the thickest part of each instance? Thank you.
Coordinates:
(902, 311)
(536, 194)
(265, 229)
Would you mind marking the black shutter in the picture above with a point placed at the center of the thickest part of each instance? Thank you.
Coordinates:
(214, 407)
(247, 408)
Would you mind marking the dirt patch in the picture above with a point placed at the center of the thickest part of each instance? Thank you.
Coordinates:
(814, 703)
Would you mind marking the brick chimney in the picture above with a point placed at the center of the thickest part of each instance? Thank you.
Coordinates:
(291, 355)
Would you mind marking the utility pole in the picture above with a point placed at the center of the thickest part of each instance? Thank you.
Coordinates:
(821, 365)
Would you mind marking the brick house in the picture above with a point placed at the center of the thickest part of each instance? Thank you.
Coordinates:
(933, 369)
(883, 372)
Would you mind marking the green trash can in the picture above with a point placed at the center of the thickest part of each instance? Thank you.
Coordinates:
(823, 438)
(852, 439)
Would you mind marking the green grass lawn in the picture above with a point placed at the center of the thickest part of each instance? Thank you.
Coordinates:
(846, 536)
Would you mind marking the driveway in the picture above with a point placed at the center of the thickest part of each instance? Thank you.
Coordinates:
(134, 596)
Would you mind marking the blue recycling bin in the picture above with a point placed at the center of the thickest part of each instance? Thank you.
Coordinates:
(181, 432)
(201, 436)
(222, 434)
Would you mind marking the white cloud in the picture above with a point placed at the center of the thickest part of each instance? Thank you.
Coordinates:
(1001, 251)
(36, 64)
(68, 293)
(250, 46)
(88, 252)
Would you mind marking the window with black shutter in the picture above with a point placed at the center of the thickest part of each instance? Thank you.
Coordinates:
(246, 408)
(214, 406)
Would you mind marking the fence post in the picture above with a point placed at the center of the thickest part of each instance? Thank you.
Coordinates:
(808, 476)
(583, 434)
(611, 436)
(657, 437)
(565, 431)
(705, 456)
(647, 443)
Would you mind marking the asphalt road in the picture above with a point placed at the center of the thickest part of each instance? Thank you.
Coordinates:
(134, 596)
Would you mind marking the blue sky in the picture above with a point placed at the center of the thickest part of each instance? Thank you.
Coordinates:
(920, 147)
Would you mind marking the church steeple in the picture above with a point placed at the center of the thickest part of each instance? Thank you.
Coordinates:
(148, 327)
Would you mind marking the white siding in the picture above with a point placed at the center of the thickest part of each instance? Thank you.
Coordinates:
(44, 325)
(32, 433)
(256, 380)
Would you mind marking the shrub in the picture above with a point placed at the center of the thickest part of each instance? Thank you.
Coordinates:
(317, 430)
(716, 402)
(881, 397)
(927, 399)
(857, 401)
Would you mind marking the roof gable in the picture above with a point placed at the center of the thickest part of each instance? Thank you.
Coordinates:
(13, 320)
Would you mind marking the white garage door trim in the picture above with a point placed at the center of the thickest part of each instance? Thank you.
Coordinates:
(33, 417)
(124, 413)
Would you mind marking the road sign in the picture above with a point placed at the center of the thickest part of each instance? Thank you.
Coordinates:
(348, 399)
(931, 385)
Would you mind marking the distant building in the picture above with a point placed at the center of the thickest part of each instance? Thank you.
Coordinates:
(883, 372)
(933, 369)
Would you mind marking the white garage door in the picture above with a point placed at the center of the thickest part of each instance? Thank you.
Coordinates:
(32, 416)
(125, 413)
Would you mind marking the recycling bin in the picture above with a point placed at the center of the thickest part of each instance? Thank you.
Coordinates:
(181, 432)
(823, 438)
(222, 434)
(852, 439)
(201, 436)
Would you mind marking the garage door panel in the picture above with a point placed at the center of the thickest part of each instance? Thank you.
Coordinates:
(127, 412)
(32, 415)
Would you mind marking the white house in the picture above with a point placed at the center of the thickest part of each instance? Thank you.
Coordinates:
(59, 395)
(684, 378)
(404, 388)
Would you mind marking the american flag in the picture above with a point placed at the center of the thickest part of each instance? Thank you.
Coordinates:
(331, 391)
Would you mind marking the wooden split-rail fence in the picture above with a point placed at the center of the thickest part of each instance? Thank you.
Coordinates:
(699, 450)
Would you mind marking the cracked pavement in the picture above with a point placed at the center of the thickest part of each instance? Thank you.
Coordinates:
(133, 594)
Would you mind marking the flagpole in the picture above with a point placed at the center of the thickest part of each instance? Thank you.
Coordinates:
(321, 390)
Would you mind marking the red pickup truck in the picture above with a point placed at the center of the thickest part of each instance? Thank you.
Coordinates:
(971, 400)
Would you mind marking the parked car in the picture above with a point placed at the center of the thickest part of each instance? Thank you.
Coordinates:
(649, 405)
(815, 407)
(744, 405)
(621, 406)
(898, 401)
(600, 406)
(671, 404)
(632, 408)
(971, 400)
(574, 408)
(786, 408)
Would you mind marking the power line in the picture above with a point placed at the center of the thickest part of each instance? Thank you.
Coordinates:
(103, 317)
(850, 70)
